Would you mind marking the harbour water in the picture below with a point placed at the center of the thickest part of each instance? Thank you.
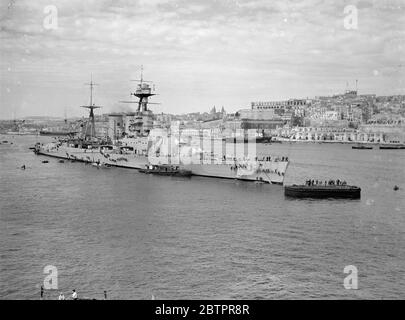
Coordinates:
(138, 235)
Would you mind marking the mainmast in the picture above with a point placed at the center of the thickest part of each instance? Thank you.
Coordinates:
(90, 131)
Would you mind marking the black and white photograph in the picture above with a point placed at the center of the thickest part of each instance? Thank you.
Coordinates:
(190, 150)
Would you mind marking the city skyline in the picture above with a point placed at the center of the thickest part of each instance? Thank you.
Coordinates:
(199, 54)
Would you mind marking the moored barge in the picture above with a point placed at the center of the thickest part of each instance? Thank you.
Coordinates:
(392, 147)
(362, 147)
(321, 191)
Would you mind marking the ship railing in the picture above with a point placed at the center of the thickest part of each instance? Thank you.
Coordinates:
(273, 159)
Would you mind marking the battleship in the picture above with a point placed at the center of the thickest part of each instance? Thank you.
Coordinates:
(142, 146)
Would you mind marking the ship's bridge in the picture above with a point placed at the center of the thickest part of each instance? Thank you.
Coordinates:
(143, 88)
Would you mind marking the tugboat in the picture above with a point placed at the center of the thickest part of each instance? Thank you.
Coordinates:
(166, 170)
(322, 191)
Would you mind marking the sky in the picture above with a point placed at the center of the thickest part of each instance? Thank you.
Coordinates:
(199, 54)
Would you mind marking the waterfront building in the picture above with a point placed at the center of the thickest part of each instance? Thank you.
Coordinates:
(257, 114)
(366, 133)
(284, 104)
(393, 132)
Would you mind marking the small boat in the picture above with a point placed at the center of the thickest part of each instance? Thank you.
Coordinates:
(61, 161)
(166, 170)
(45, 161)
(392, 147)
(362, 147)
(321, 191)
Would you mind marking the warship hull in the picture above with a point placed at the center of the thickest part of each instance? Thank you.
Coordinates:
(130, 161)
(260, 171)
(228, 171)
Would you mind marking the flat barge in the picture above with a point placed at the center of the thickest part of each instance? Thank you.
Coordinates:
(322, 192)
(391, 147)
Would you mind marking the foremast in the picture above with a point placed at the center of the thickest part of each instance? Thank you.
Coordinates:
(142, 119)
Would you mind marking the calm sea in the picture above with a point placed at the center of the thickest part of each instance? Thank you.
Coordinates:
(138, 235)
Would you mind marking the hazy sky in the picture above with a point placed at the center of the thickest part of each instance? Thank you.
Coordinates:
(199, 53)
